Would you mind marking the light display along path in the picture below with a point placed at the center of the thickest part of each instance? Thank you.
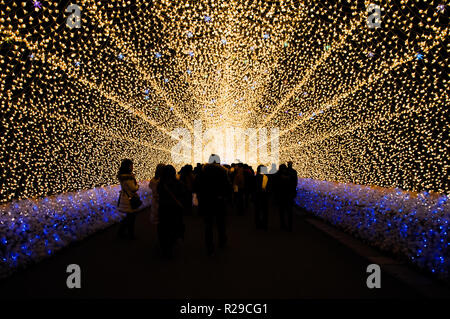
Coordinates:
(351, 102)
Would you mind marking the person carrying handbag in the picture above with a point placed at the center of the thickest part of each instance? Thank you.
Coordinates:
(129, 201)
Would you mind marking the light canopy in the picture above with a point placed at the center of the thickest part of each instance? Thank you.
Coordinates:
(352, 103)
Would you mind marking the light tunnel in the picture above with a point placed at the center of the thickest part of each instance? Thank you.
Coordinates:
(354, 93)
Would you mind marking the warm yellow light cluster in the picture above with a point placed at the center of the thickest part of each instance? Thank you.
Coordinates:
(352, 103)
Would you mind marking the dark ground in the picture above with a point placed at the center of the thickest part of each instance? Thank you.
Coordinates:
(256, 264)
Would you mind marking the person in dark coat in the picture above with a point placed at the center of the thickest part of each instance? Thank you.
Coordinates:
(294, 176)
(197, 169)
(153, 185)
(261, 198)
(239, 188)
(213, 189)
(249, 177)
(285, 195)
(170, 214)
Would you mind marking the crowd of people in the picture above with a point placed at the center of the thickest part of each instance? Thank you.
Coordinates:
(207, 190)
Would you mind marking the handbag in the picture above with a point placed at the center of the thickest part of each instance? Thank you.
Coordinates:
(135, 201)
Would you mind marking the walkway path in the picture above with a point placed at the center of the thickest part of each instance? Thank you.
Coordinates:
(307, 263)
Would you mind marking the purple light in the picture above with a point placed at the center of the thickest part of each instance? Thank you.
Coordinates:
(37, 4)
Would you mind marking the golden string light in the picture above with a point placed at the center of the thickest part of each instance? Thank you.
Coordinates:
(352, 103)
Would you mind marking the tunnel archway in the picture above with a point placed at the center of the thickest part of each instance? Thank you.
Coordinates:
(354, 94)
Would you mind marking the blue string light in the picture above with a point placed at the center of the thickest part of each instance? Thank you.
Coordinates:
(391, 219)
(34, 229)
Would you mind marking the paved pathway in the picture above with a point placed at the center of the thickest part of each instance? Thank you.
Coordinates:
(307, 263)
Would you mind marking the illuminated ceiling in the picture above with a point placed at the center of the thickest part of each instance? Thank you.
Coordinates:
(352, 103)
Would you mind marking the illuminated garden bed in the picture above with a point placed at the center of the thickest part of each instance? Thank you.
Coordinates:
(410, 225)
(31, 230)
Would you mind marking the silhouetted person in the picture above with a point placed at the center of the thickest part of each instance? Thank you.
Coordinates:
(285, 195)
(293, 174)
(261, 198)
(187, 178)
(197, 169)
(249, 185)
(239, 188)
(213, 189)
(153, 185)
(231, 174)
(129, 188)
(170, 225)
